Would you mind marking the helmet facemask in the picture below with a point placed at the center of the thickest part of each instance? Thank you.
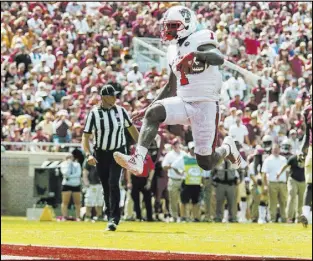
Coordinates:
(169, 30)
(178, 22)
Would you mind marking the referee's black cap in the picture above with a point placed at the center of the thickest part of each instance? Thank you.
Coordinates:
(108, 90)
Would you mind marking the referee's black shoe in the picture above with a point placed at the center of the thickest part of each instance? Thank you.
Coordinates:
(111, 226)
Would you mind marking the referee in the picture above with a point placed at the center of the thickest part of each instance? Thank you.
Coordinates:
(108, 123)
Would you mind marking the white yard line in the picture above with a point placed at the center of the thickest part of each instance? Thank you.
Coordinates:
(7, 257)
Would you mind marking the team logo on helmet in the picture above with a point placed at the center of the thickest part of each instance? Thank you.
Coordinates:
(186, 14)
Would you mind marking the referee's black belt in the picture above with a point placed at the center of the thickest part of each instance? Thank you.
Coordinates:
(226, 182)
(99, 149)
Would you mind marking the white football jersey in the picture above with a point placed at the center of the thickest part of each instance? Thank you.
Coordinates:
(205, 83)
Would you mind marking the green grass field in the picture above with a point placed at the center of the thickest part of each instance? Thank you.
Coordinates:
(241, 239)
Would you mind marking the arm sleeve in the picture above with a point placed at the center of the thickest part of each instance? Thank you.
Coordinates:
(207, 37)
(90, 121)
(127, 120)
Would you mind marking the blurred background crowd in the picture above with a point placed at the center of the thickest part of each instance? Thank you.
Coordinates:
(55, 56)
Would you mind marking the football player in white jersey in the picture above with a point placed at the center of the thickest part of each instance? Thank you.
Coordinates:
(194, 59)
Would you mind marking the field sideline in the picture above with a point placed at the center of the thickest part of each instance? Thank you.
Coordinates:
(232, 240)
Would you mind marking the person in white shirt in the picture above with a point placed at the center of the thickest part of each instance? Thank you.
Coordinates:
(50, 58)
(277, 186)
(35, 55)
(231, 119)
(27, 95)
(91, 7)
(42, 67)
(239, 132)
(80, 24)
(73, 7)
(89, 70)
(36, 24)
(134, 75)
(232, 46)
(175, 175)
(236, 27)
(236, 85)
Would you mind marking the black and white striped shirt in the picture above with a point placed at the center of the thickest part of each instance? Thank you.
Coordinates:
(108, 126)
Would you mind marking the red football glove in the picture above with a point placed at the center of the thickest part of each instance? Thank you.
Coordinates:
(185, 67)
(139, 115)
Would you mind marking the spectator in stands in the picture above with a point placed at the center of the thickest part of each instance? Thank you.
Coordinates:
(134, 75)
(77, 132)
(61, 127)
(39, 136)
(259, 92)
(231, 119)
(239, 132)
(236, 86)
(252, 104)
(254, 131)
(237, 103)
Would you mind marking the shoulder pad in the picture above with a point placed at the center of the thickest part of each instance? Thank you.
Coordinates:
(204, 37)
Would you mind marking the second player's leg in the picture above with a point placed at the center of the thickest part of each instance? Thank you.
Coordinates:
(154, 116)
(171, 111)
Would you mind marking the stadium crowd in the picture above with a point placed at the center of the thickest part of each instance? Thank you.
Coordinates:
(55, 57)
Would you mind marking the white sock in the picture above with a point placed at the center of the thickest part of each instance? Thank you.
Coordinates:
(243, 209)
(226, 215)
(262, 213)
(306, 211)
(142, 151)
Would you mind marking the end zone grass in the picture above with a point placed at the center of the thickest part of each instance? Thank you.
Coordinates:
(238, 239)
